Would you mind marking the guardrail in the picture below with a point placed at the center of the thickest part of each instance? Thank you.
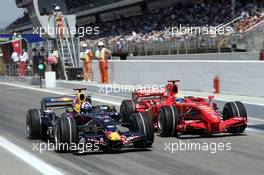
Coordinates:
(191, 44)
(12, 69)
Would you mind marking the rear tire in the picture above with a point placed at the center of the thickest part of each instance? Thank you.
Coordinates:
(65, 134)
(140, 122)
(168, 117)
(232, 109)
(127, 108)
(34, 124)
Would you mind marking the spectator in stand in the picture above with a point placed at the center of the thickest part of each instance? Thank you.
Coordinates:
(262, 13)
(244, 14)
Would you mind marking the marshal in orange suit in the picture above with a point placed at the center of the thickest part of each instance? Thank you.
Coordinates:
(102, 54)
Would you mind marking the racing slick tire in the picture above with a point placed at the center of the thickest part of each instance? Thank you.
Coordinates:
(140, 122)
(65, 134)
(127, 108)
(34, 124)
(168, 117)
(232, 109)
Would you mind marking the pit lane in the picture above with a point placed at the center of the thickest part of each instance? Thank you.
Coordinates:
(244, 158)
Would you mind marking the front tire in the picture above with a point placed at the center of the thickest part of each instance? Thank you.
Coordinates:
(140, 122)
(127, 108)
(232, 109)
(65, 134)
(34, 124)
(168, 117)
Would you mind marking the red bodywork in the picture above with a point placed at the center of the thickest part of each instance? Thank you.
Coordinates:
(195, 113)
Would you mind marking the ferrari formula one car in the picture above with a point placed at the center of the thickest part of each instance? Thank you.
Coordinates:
(171, 115)
(82, 123)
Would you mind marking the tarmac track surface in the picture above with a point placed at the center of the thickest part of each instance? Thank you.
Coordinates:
(245, 157)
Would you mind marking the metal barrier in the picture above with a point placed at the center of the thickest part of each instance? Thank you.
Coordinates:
(250, 41)
(13, 70)
(190, 44)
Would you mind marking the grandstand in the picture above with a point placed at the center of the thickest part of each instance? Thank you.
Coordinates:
(139, 27)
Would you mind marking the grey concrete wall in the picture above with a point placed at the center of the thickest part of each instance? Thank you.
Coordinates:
(236, 77)
(207, 56)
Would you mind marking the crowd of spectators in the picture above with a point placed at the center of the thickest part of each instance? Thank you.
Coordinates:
(151, 25)
(197, 14)
(76, 5)
(251, 14)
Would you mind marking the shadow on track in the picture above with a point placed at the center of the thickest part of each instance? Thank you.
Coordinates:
(198, 135)
(128, 150)
(257, 126)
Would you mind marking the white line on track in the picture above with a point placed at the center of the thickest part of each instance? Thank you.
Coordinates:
(255, 130)
(33, 161)
(256, 119)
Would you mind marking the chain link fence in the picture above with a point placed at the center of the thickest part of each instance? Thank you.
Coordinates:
(12, 69)
(187, 45)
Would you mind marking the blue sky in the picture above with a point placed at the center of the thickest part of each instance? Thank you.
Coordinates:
(9, 12)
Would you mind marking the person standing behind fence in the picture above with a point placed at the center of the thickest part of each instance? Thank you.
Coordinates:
(87, 56)
(102, 54)
(23, 62)
(53, 61)
(16, 59)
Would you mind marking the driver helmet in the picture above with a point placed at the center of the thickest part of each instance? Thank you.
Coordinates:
(86, 107)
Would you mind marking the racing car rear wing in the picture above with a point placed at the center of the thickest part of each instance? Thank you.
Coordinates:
(148, 92)
(173, 81)
(51, 102)
(171, 88)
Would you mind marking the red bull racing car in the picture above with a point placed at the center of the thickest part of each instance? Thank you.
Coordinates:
(80, 123)
(171, 114)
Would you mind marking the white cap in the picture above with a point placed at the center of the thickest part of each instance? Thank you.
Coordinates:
(100, 43)
(57, 8)
(84, 45)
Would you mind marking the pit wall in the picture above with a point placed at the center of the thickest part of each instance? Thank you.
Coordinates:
(250, 56)
(236, 77)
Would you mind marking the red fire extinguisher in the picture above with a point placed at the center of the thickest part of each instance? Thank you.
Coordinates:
(216, 85)
(261, 55)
